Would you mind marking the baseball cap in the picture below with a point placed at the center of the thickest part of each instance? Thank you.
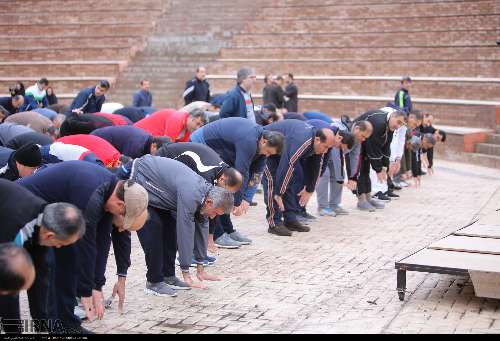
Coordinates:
(136, 205)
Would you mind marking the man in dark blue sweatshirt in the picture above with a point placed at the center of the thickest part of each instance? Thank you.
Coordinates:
(143, 97)
(29, 222)
(238, 102)
(131, 141)
(303, 141)
(402, 99)
(105, 201)
(90, 100)
(243, 145)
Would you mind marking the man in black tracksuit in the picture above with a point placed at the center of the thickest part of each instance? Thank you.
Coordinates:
(376, 151)
(197, 89)
(80, 268)
(28, 222)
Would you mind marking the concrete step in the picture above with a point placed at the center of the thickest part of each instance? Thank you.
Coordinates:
(489, 149)
(480, 159)
(494, 139)
(52, 69)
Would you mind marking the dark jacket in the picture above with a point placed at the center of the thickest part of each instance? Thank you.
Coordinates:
(6, 103)
(196, 90)
(275, 95)
(403, 100)
(299, 145)
(63, 182)
(128, 140)
(32, 137)
(87, 101)
(132, 113)
(199, 157)
(52, 99)
(31, 103)
(236, 141)
(234, 104)
(142, 98)
(8, 167)
(378, 147)
(292, 92)
(76, 124)
(10, 130)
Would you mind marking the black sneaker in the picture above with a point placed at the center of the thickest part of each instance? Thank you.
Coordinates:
(297, 226)
(381, 196)
(391, 195)
(308, 216)
(396, 187)
(280, 230)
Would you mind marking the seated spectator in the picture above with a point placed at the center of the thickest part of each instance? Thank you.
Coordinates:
(83, 124)
(143, 97)
(10, 130)
(12, 104)
(176, 125)
(108, 154)
(59, 152)
(15, 164)
(30, 137)
(17, 272)
(110, 108)
(33, 120)
(17, 89)
(90, 100)
(36, 96)
(131, 141)
(118, 120)
(51, 96)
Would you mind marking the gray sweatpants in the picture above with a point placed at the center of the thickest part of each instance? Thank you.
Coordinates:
(329, 191)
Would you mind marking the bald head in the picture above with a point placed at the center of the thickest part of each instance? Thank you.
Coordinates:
(16, 269)
(324, 140)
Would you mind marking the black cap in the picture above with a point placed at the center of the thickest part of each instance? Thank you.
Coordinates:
(406, 79)
(28, 155)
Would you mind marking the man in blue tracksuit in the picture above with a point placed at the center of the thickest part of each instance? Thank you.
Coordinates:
(243, 145)
(89, 100)
(104, 200)
(402, 99)
(131, 141)
(303, 141)
(143, 97)
(238, 102)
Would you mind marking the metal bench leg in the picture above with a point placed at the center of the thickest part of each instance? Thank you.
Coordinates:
(401, 284)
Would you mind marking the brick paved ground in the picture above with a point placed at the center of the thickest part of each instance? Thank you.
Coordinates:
(339, 278)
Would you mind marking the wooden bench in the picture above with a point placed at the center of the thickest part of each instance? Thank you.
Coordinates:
(473, 250)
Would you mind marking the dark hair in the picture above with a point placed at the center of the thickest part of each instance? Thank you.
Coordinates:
(266, 77)
(443, 135)
(232, 178)
(199, 67)
(362, 125)
(10, 277)
(104, 84)
(198, 113)
(124, 159)
(17, 89)
(65, 220)
(120, 188)
(161, 140)
(51, 89)
(279, 78)
(321, 134)
(144, 80)
(274, 139)
(290, 75)
(43, 81)
(347, 138)
(418, 114)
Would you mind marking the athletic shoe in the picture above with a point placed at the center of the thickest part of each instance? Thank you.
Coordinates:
(280, 230)
(365, 206)
(210, 260)
(194, 264)
(396, 186)
(160, 289)
(403, 184)
(327, 212)
(236, 236)
(225, 242)
(303, 220)
(392, 195)
(297, 226)
(175, 283)
(340, 211)
(377, 204)
(308, 216)
(381, 196)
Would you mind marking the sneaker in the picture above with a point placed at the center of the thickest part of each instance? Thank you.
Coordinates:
(308, 216)
(340, 211)
(327, 212)
(381, 196)
(175, 283)
(225, 242)
(280, 230)
(303, 220)
(396, 186)
(365, 206)
(403, 184)
(210, 260)
(240, 238)
(194, 264)
(159, 289)
(377, 204)
(392, 195)
(297, 226)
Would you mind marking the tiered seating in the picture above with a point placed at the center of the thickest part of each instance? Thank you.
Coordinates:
(72, 43)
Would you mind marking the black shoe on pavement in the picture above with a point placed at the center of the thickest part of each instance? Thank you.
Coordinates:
(392, 195)
(297, 226)
(280, 230)
(381, 196)
(308, 216)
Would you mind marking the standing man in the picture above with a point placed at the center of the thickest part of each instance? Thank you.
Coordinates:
(105, 201)
(143, 97)
(402, 99)
(291, 94)
(243, 145)
(238, 101)
(197, 89)
(90, 100)
(304, 144)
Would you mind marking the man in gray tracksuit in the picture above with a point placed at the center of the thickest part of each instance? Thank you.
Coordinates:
(179, 203)
(333, 177)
